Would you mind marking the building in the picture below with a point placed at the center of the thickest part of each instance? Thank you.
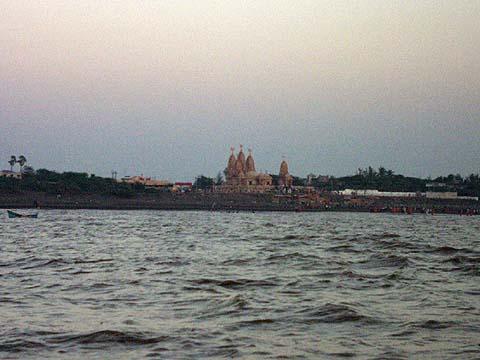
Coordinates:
(10, 174)
(448, 196)
(376, 193)
(148, 182)
(285, 180)
(387, 194)
(182, 187)
(241, 175)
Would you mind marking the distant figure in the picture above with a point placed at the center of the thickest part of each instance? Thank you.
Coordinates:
(35, 204)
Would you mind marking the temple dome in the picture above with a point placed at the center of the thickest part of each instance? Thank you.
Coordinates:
(283, 168)
(231, 170)
(241, 159)
(239, 166)
(250, 162)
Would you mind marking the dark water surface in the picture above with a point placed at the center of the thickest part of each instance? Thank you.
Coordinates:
(160, 284)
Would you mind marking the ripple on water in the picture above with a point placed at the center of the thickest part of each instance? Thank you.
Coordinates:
(109, 337)
(333, 313)
(119, 284)
(234, 283)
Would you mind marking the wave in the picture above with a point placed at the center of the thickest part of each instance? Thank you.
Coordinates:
(405, 333)
(343, 248)
(6, 299)
(445, 250)
(233, 284)
(379, 261)
(224, 306)
(431, 325)
(93, 261)
(435, 325)
(80, 272)
(345, 354)
(292, 256)
(237, 261)
(334, 313)
(109, 336)
(20, 346)
(45, 262)
(100, 285)
(39, 263)
(237, 301)
(392, 355)
(362, 276)
(470, 265)
(290, 237)
(250, 323)
(462, 259)
(384, 235)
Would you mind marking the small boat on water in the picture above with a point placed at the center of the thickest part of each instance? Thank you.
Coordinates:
(13, 214)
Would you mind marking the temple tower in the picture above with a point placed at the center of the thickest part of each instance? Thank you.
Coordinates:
(250, 162)
(241, 160)
(231, 169)
(284, 178)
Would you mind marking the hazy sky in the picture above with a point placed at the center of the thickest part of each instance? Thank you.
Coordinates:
(164, 88)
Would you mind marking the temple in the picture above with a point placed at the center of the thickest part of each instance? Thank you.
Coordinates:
(241, 175)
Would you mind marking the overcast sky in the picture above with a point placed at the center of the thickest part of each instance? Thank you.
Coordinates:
(164, 88)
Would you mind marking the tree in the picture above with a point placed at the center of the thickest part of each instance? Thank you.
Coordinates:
(203, 182)
(382, 171)
(21, 161)
(12, 162)
(298, 181)
(28, 170)
(219, 179)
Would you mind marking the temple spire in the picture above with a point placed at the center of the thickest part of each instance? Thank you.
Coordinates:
(250, 163)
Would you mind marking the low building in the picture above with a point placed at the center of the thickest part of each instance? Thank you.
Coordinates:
(450, 195)
(182, 187)
(389, 194)
(148, 182)
(376, 193)
(10, 174)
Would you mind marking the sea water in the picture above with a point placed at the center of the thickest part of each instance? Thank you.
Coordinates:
(190, 284)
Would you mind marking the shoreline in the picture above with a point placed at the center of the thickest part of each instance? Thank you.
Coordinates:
(183, 208)
(244, 202)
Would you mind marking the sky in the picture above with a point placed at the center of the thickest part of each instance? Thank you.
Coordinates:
(164, 88)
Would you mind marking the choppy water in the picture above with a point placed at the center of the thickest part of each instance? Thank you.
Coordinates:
(118, 284)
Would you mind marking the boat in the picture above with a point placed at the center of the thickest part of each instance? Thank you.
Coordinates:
(13, 214)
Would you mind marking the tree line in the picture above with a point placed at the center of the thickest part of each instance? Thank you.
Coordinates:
(69, 183)
(382, 179)
(386, 180)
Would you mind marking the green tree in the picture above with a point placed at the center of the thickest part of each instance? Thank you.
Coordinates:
(12, 162)
(219, 179)
(22, 160)
(202, 182)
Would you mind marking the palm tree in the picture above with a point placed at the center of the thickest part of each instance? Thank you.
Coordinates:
(22, 161)
(382, 172)
(12, 162)
(219, 179)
